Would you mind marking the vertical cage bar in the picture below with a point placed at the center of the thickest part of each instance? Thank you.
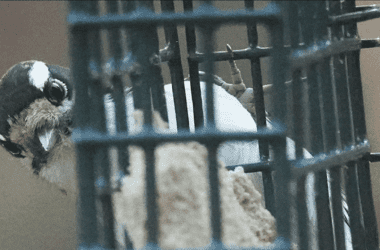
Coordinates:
(341, 85)
(133, 45)
(158, 92)
(207, 33)
(336, 71)
(79, 46)
(103, 180)
(282, 178)
(336, 198)
(346, 130)
(116, 54)
(123, 154)
(151, 72)
(97, 108)
(296, 14)
(329, 127)
(141, 85)
(108, 219)
(145, 45)
(127, 8)
(302, 214)
(325, 230)
(324, 220)
(368, 208)
(176, 72)
(354, 211)
(150, 79)
(214, 194)
(354, 200)
(314, 22)
(297, 86)
(329, 122)
(352, 186)
(86, 209)
(283, 175)
(151, 223)
(360, 134)
(356, 95)
(314, 126)
(298, 112)
(354, 76)
(260, 109)
(298, 116)
(193, 69)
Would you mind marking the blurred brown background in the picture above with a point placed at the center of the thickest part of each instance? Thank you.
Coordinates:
(32, 214)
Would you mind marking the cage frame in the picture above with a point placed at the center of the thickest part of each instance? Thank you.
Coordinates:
(350, 149)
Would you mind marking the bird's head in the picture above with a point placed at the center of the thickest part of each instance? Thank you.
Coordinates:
(36, 101)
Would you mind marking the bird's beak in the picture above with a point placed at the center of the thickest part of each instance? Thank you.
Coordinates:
(47, 138)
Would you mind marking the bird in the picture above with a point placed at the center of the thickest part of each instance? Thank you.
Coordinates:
(36, 115)
(36, 103)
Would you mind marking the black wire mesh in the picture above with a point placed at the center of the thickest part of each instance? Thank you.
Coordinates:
(315, 45)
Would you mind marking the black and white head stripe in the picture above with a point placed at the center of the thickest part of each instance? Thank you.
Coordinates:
(24, 83)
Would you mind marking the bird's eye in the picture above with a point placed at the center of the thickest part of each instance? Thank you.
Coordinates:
(13, 148)
(55, 91)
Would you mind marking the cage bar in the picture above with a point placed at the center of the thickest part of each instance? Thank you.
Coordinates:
(176, 72)
(327, 112)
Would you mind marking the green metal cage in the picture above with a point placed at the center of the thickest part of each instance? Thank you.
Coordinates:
(314, 44)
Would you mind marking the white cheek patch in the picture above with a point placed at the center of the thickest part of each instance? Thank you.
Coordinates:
(39, 74)
(2, 138)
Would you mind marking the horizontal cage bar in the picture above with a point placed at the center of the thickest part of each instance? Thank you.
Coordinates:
(143, 16)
